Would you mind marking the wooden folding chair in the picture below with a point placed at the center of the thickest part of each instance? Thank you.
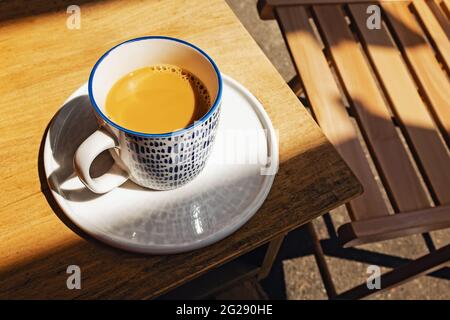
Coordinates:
(393, 80)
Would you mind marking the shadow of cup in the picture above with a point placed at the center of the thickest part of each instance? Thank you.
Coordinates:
(73, 124)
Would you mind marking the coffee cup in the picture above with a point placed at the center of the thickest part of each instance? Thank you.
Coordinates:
(158, 161)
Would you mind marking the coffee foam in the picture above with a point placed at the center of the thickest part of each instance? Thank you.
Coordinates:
(186, 75)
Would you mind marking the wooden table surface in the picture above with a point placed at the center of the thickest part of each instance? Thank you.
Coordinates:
(42, 62)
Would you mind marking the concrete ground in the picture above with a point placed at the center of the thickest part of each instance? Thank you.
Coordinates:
(296, 276)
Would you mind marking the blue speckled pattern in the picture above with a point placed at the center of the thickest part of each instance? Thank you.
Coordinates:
(164, 163)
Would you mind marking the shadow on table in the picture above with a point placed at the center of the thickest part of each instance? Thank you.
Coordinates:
(42, 274)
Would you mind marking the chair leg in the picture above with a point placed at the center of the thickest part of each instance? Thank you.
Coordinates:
(269, 258)
(321, 262)
(421, 266)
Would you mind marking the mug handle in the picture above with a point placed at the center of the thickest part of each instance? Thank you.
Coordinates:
(86, 153)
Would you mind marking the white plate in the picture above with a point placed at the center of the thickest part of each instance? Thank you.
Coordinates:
(225, 195)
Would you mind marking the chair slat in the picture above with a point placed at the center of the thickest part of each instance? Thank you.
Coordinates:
(407, 103)
(440, 15)
(267, 7)
(431, 78)
(279, 3)
(445, 5)
(437, 32)
(401, 181)
(328, 108)
(397, 225)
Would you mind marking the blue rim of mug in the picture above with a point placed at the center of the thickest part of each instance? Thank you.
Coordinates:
(168, 134)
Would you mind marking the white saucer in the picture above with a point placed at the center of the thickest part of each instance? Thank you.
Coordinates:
(225, 195)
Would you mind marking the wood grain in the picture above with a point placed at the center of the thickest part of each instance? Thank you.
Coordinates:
(383, 228)
(438, 32)
(445, 5)
(440, 15)
(266, 7)
(407, 104)
(432, 80)
(395, 168)
(330, 112)
(43, 62)
(280, 3)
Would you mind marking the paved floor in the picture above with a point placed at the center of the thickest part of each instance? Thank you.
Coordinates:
(295, 275)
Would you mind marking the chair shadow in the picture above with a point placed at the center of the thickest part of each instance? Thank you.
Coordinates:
(297, 244)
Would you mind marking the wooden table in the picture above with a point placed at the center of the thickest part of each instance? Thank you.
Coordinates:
(42, 62)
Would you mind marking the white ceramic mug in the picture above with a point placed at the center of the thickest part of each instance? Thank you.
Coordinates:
(157, 161)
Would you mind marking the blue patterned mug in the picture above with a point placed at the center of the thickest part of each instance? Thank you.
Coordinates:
(156, 161)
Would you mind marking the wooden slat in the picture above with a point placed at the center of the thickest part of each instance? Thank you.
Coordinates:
(407, 104)
(266, 7)
(445, 5)
(328, 108)
(393, 226)
(435, 31)
(440, 15)
(324, 2)
(432, 80)
(401, 181)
